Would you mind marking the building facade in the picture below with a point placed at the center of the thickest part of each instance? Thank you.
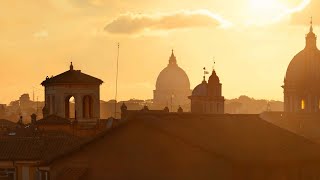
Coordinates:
(83, 88)
(207, 97)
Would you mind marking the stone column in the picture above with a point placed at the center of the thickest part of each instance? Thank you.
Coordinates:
(78, 106)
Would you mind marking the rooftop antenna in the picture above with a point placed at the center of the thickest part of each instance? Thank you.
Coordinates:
(33, 94)
(117, 74)
(37, 106)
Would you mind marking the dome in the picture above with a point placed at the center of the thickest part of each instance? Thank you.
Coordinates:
(304, 69)
(172, 77)
(214, 79)
(201, 89)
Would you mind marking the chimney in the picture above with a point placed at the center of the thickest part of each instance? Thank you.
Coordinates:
(33, 118)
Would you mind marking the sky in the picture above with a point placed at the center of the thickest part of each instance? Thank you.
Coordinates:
(251, 41)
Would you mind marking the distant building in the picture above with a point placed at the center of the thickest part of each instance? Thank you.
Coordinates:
(85, 90)
(172, 86)
(25, 101)
(2, 109)
(207, 97)
(27, 157)
(301, 83)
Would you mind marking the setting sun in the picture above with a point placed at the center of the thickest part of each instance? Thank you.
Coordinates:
(264, 4)
(265, 11)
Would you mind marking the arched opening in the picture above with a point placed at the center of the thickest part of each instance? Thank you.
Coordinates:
(87, 107)
(303, 104)
(70, 107)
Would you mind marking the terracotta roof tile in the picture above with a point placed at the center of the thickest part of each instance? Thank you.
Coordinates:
(36, 148)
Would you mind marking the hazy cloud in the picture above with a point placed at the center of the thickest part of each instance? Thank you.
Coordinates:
(41, 34)
(303, 16)
(134, 23)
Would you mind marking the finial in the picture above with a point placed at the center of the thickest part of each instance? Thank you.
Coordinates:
(71, 66)
(214, 64)
(172, 59)
(311, 24)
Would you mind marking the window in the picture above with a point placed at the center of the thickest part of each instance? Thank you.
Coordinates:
(303, 104)
(70, 107)
(49, 104)
(218, 107)
(53, 105)
(8, 173)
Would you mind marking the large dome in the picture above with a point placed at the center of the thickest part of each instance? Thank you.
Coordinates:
(304, 69)
(172, 77)
(305, 66)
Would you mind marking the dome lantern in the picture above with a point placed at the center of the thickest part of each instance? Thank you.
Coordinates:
(311, 38)
(172, 60)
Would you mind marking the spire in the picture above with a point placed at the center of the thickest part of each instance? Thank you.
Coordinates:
(71, 66)
(311, 38)
(311, 25)
(172, 60)
(214, 64)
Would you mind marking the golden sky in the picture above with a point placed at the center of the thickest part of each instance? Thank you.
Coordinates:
(252, 42)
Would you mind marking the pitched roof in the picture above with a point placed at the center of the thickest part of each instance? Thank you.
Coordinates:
(53, 119)
(72, 77)
(72, 173)
(244, 138)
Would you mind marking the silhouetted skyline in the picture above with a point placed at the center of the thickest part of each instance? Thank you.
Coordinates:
(252, 41)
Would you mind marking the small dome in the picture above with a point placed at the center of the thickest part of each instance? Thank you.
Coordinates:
(201, 89)
(172, 77)
(214, 79)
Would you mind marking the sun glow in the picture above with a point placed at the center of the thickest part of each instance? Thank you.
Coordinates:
(263, 12)
(264, 4)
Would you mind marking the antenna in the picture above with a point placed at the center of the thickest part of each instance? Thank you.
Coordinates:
(33, 94)
(117, 74)
(37, 105)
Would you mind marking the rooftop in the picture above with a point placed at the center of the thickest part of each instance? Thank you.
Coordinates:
(72, 77)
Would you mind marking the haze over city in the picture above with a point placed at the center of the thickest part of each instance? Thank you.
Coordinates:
(122, 89)
(251, 41)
